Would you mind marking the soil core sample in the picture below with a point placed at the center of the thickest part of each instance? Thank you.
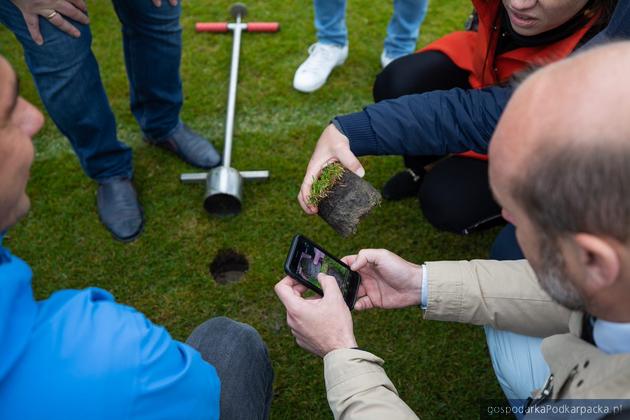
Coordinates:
(343, 198)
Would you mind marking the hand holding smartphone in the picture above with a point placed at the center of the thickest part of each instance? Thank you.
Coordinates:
(307, 259)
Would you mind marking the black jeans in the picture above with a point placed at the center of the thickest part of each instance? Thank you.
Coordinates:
(455, 195)
(240, 357)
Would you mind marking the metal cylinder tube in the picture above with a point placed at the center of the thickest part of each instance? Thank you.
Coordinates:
(224, 192)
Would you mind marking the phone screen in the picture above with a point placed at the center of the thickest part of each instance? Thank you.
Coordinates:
(309, 260)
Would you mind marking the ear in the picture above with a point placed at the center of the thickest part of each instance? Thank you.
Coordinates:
(599, 259)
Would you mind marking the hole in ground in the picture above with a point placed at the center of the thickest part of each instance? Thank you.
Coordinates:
(228, 266)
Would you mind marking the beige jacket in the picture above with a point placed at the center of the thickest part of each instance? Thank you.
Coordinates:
(505, 295)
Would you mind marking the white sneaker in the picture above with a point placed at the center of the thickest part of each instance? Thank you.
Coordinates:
(386, 59)
(322, 59)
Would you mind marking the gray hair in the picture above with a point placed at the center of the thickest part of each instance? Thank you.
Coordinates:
(578, 187)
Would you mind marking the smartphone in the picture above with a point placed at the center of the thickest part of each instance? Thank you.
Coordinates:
(307, 259)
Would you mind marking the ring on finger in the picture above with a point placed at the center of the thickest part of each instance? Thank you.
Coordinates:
(51, 15)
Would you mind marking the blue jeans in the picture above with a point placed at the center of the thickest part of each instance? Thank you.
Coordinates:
(240, 357)
(516, 359)
(518, 363)
(68, 81)
(402, 31)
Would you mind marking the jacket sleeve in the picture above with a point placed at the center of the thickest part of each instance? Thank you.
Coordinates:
(432, 123)
(358, 388)
(618, 28)
(443, 122)
(503, 294)
(98, 359)
(173, 381)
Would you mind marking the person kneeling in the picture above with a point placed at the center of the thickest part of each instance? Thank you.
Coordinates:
(79, 354)
(558, 329)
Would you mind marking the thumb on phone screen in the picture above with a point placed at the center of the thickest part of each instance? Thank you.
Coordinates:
(329, 285)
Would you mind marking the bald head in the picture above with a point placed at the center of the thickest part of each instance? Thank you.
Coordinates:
(560, 167)
(563, 144)
(576, 102)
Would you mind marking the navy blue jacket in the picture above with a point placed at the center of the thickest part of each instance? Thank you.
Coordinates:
(443, 122)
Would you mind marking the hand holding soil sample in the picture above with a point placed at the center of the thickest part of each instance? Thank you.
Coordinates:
(343, 198)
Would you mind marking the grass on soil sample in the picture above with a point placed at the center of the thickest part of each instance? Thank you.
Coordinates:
(331, 174)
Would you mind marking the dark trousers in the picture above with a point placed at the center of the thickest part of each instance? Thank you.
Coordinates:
(455, 194)
(240, 357)
(69, 83)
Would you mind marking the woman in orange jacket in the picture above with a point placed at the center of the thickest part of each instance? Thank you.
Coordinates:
(509, 36)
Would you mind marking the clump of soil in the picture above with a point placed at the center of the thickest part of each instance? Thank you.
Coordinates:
(343, 198)
(228, 266)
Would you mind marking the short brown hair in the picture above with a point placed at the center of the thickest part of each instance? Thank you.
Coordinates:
(578, 187)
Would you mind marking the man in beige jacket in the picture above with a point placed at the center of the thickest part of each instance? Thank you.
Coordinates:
(560, 167)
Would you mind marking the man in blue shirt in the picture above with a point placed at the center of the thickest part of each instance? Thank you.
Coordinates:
(79, 354)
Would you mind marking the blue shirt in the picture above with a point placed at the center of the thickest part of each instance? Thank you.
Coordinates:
(79, 354)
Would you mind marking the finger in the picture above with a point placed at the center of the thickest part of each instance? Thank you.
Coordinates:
(349, 259)
(295, 326)
(32, 23)
(362, 291)
(359, 261)
(299, 289)
(308, 209)
(290, 281)
(305, 343)
(313, 171)
(364, 257)
(284, 291)
(72, 12)
(173, 2)
(79, 4)
(299, 337)
(329, 286)
(363, 303)
(350, 161)
(64, 26)
(291, 322)
(157, 3)
(297, 334)
(302, 344)
(305, 192)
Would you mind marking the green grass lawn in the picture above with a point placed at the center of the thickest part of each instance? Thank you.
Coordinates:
(441, 370)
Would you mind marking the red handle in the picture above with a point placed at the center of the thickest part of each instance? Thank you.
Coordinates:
(263, 26)
(211, 27)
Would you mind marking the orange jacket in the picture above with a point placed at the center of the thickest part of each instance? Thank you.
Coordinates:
(475, 51)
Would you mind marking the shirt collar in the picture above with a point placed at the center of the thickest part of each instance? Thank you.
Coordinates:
(612, 337)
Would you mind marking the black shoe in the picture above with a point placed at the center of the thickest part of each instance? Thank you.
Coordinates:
(118, 208)
(190, 147)
(403, 185)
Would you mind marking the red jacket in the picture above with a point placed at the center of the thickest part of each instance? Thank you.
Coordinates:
(475, 51)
